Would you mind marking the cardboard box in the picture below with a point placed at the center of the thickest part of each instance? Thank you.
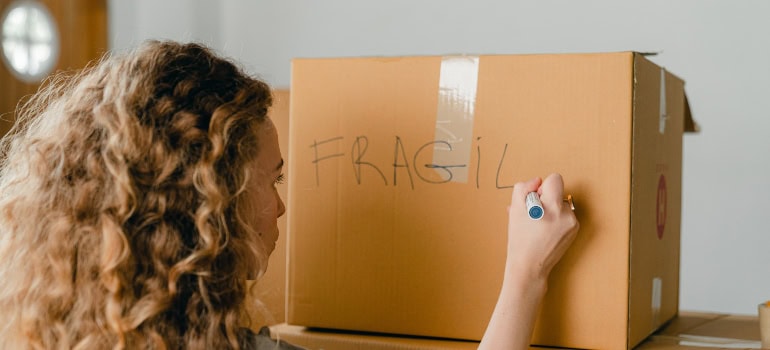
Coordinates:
(267, 304)
(689, 330)
(331, 340)
(692, 330)
(401, 171)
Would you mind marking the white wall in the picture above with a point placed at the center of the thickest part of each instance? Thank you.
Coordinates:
(720, 48)
(131, 22)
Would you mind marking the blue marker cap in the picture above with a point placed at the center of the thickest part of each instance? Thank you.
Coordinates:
(535, 212)
(534, 206)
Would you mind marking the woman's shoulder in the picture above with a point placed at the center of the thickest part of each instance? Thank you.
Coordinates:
(262, 341)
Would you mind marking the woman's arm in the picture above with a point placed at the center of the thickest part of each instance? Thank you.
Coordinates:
(534, 247)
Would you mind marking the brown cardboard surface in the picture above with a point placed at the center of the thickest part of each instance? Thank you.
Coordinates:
(268, 296)
(732, 326)
(703, 331)
(376, 244)
(656, 181)
(320, 339)
(689, 330)
(687, 320)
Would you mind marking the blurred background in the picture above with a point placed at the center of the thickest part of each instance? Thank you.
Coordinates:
(720, 48)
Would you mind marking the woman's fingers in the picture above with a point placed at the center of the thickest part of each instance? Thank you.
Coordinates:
(552, 191)
(521, 189)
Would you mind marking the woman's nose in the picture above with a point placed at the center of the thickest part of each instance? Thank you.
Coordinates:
(281, 206)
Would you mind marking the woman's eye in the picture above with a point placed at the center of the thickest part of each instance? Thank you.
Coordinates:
(279, 180)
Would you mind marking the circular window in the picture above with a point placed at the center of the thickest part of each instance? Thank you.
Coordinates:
(30, 40)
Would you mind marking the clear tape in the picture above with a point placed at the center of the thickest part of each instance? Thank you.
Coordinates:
(454, 118)
(657, 295)
(663, 114)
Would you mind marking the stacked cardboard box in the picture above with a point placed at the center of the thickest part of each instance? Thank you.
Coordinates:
(400, 172)
(688, 331)
(693, 330)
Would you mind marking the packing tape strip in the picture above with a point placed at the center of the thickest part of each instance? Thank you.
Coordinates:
(454, 118)
(663, 114)
(657, 295)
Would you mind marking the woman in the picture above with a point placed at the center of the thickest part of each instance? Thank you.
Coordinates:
(137, 197)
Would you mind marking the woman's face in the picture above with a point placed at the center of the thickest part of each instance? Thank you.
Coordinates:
(267, 205)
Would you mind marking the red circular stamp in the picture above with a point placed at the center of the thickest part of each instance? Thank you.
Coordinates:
(660, 206)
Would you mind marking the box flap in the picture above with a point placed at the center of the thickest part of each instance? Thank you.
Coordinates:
(689, 124)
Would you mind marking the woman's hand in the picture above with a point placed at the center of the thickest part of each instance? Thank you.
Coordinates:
(535, 246)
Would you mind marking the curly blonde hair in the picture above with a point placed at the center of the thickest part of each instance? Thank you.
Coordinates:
(121, 190)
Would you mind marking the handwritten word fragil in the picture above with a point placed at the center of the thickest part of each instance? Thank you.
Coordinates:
(363, 166)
